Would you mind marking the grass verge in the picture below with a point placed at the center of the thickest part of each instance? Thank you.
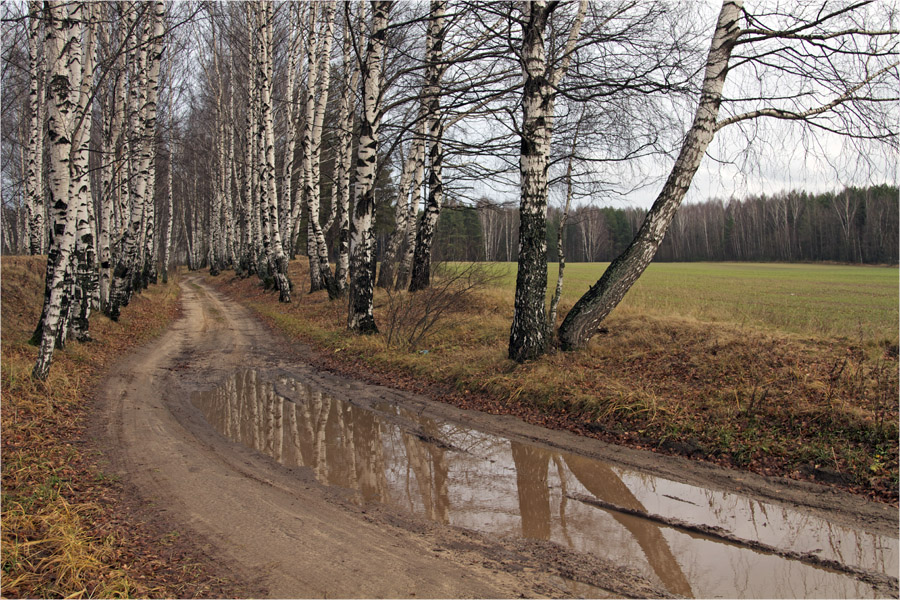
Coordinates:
(811, 407)
(64, 531)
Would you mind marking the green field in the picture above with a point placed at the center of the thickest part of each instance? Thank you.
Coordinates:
(856, 302)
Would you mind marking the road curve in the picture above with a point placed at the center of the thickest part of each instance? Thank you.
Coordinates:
(272, 527)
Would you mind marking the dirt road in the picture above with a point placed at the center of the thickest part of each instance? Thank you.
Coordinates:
(287, 530)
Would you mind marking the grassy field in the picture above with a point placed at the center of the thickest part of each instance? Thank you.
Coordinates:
(713, 361)
(859, 303)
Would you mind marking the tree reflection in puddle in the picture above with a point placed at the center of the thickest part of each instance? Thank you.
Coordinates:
(463, 477)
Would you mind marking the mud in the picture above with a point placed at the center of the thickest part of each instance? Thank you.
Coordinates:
(306, 484)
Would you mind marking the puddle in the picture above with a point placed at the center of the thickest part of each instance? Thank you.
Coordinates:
(467, 478)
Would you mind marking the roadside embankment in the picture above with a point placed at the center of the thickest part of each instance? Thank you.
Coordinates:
(66, 529)
(808, 407)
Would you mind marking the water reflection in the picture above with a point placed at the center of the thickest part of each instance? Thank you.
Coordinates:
(463, 477)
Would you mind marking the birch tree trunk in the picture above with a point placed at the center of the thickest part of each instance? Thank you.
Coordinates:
(582, 321)
(362, 227)
(34, 177)
(112, 124)
(319, 79)
(404, 268)
(167, 246)
(401, 214)
(217, 245)
(249, 257)
(124, 114)
(259, 213)
(132, 211)
(255, 162)
(421, 266)
(85, 279)
(230, 184)
(295, 48)
(7, 235)
(150, 268)
(346, 115)
(268, 193)
(528, 334)
(24, 211)
(129, 267)
(63, 50)
(308, 109)
(560, 243)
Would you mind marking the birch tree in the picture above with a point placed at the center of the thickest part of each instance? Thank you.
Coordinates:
(112, 110)
(560, 240)
(63, 51)
(318, 83)
(527, 338)
(309, 109)
(362, 235)
(421, 266)
(277, 261)
(170, 206)
(831, 48)
(217, 243)
(130, 266)
(346, 118)
(250, 234)
(403, 209)
(292, 117)
(408, 248)
(34, 178)
(86, 282)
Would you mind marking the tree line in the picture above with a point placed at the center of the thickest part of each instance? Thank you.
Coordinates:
(239, 135)
(856, 225)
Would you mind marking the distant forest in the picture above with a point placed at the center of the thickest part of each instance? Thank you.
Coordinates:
(857, 225)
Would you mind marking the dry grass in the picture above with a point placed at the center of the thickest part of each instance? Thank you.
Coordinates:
(60, 535)
(776, 402)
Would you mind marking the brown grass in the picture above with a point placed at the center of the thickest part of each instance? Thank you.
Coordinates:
(777, 403)
(64, 534)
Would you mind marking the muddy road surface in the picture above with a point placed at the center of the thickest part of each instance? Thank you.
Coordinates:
(304, 484)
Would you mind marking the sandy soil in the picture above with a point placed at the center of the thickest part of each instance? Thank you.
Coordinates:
(282, 534)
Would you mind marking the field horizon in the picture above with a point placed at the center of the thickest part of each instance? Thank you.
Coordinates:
(857, 302)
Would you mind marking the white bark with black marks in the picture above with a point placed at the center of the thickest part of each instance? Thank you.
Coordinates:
(309, 107)
(528, 334)
(85, 276)
(276, 258)
(130, 266)
(230, 184)
(249, 242)
(131, 209)
(154, 57)
(217, 207)
(360, 317)
(321, 276)
(421, 266)
(386, 274)
(292, 114)
(346, 117)
(170, 216)
(63, 51)
(404, 267)
(34, 176)
(113, 111)
(583, 320)
(560, 242)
